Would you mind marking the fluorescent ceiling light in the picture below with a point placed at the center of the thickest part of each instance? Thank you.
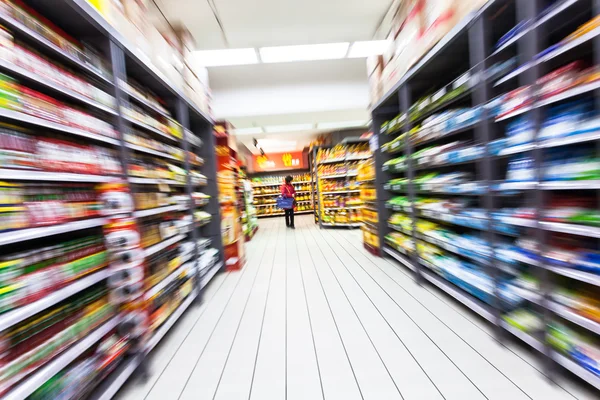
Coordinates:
(344, 124)
(215, 58)
(369, 48)
(248, 131)
(288, 128)
(327, 51)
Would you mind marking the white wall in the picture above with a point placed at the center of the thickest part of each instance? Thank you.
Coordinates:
(290, 99)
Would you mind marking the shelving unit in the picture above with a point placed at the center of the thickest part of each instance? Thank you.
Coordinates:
(468, 232)
(324, 178)
(185, 140)
(272, 185)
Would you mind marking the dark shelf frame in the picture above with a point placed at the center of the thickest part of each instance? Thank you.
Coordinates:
(474, 36)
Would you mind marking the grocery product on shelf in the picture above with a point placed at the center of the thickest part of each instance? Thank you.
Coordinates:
(36, 340)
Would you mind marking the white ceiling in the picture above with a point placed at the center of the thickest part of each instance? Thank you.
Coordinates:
(283, 93)
(277, 22)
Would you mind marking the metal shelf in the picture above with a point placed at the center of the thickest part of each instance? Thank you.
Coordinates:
(168, 324)
(150, 151)
(523, 336)
(25, 175)
(458, 294)
(162, 245)
(148, 128)
(167, 280)
(42, 123)
(400, 258)
(342, 192)
(575, 274)
(208, 276)
(581, 230)
(36, 233)
(17, 315)
(145, 103)
(58, 363)
(19, 72)
(577, 369)
(23, 30)
(152, 181)
(159, 210)
(580, 320)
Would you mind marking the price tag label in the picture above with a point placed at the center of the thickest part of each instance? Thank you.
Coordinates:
(461, 80)
(163, 187)
(438, 95)
(395, 145)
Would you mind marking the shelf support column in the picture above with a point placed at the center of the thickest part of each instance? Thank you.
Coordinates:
(405, 103)
(381, 177)
(479, 47)
(183, 117)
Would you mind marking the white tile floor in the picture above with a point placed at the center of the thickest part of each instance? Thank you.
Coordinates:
(314, 316)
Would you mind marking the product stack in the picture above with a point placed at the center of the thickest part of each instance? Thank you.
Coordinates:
(338, 189)
(368, 197)
(100, 255)
(416, 27)
(492, 179)
(266, 189)
(249, 218)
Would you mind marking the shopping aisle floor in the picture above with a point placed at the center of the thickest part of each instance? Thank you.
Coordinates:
(314, 316)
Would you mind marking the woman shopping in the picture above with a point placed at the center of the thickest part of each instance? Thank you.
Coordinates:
(288, 192)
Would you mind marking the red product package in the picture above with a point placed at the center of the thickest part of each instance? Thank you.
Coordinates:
(559, 80)
(515, 100)
(41, 106)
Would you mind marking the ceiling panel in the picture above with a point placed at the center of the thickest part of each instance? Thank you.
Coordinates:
(277, 22)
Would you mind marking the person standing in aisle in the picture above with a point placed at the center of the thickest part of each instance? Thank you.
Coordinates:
(288, 191)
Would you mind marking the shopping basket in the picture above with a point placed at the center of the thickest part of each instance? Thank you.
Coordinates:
(285, 202)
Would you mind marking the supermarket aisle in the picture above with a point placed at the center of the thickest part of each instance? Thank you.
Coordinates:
(314, 316)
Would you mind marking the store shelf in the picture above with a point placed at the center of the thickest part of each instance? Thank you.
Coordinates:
(16, 116)
(109, 387)
(515, 221)
(25, 175)
(167, 280)
(570, 185)
(399, 257)
(168, 324)
(152, 181)
(18, 72)
(162, 245)
(577, 369)
(358, 158)
(525, 337)
(550, 55)
(279, 184)
(356, 225)
(342, 192)
(575, 274)
(145, 103)
(15, 316)
(458, 294)
(332, 161)
(572, 139)
(159, 210)
(93, 17)
(208, 276)
(148, 128)
(36, 233)
(150, 151)
(23, 30)
(581, 230)
(58, 363)
(342, 208)
(580, 320)
(267, 195)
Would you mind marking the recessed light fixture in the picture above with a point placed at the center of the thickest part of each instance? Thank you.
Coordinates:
(217, 58)
(248, 131)
(326, 51)
(343, 124)
(368, 48)
(288, 128)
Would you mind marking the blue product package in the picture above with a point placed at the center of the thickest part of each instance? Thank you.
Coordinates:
(512, 33)
(520, 131)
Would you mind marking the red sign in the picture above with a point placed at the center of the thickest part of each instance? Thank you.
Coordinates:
(279, 161)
